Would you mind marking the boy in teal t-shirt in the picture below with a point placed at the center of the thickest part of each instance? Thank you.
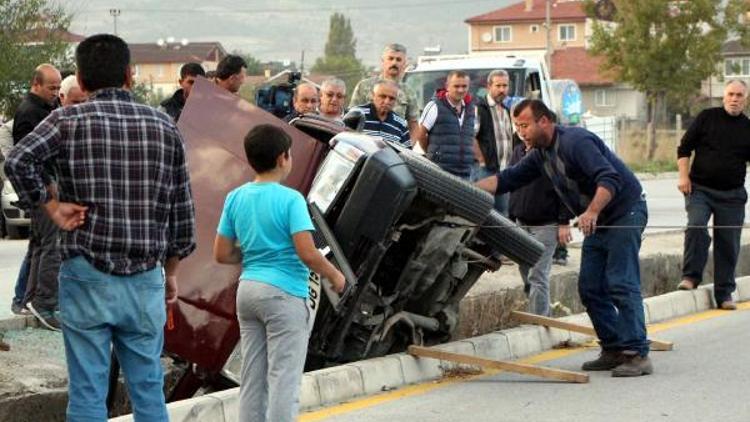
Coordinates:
(266, 227)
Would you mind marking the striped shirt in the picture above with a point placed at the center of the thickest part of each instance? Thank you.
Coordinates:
(394, 128)
(126, 162)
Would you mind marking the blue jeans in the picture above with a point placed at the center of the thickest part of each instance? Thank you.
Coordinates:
(502, 200)
(127, 313)
(537, 277)
(610, 283)
(22, 280)
(728, 209)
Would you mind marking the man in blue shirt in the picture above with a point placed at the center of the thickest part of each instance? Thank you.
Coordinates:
(597, 187)
(380, 120)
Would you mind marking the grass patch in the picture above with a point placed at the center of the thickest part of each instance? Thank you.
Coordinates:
(658, 166)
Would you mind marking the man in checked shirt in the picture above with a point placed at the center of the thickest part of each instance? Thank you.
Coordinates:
(127, 218)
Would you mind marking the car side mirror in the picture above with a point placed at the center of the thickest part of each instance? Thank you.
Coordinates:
(355, 120)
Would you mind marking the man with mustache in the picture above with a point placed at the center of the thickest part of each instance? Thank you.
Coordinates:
(715, 184)
(393, 68)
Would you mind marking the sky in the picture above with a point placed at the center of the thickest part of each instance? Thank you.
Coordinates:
(282, 29)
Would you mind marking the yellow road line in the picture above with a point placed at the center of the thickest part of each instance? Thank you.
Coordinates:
(413, 390)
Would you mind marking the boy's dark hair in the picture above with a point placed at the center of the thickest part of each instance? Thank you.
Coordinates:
(102, 61)
(192, 69)
(264, 144)
(230, 65)
(538, 110)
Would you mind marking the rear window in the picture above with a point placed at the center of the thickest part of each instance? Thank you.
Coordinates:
(425, 83)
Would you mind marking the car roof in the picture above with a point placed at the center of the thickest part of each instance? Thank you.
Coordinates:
(453, 62)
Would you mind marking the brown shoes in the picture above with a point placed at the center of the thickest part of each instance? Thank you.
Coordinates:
(606, 361)
(728, 305)
(686, 284)
(634, 365)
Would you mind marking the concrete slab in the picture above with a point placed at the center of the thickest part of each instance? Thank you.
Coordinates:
(460, 347)
(309, 394)
(703, 299)
(524, 341)
(339, 383)
(743, 288)
(208, 408)
(491, 346)
(380, 374)
(418, 369)
(659, 308)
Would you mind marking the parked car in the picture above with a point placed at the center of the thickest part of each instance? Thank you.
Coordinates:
(410, 238)
(15, 221)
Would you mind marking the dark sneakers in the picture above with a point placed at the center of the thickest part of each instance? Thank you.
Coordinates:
(634, 365)
(606, 361)
(47, 319)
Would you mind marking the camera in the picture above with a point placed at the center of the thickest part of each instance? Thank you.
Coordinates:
(277, 99)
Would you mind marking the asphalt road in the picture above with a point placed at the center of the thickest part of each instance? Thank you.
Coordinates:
(706, 378)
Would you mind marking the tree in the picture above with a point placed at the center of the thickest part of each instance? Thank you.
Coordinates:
(254, 66)
(29, 35)
(340, 58)
(665, 48)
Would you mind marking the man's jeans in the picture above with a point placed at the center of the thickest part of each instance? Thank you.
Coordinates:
(728, 209)
(127, 313)
(537, 277)
(41, 289)
(273, 335)
(610, 282)
(501, 201)
(22, 280)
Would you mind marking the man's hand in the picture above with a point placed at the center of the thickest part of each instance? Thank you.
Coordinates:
(488, 184)
(338, 282)
(68, 216)
(684, 185)
(170, 289)
(563, 234)
(587, 222)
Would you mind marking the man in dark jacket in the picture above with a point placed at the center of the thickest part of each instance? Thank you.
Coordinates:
(446, 129)
(538, 210)
(597, 186)
(42, 262)
(174, 104)
(715, 185)
(494, 139)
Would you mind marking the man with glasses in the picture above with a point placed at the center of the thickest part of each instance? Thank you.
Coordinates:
(174, 104)
(332, 97)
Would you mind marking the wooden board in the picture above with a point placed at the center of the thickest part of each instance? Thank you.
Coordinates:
(528, 318)
(519, 368)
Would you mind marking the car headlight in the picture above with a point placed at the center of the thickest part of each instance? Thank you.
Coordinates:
(8, 188)
(332, 175)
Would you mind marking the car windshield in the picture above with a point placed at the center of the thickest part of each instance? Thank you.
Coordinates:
(425, 83)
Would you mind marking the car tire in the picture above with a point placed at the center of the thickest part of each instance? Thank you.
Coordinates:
(456, 195)
(508, 239)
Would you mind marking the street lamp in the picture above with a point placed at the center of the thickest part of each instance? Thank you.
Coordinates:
(115, 13)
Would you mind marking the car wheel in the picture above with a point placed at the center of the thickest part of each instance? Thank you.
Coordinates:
(508, 239)
(457, 196)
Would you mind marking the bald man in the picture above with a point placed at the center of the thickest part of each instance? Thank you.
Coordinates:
(305, 101)
(38, 275)
(71, 93)
(38, 102)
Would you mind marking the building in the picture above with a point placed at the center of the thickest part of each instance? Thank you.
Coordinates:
(520, 29)
(735, 64)
(158, 64)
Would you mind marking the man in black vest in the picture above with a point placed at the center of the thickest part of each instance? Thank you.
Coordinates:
(446, 128)
(495, 133)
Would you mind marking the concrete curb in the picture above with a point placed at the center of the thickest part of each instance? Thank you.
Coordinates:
(341, 383)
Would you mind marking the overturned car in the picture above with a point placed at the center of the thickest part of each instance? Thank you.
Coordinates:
(410, 238)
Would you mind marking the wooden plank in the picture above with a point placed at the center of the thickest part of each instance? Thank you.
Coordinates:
(528, 318)
(519, 368)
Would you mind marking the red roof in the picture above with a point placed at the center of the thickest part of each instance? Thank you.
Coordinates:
(577, 64)
(570, 10)
(176, 52)
(42, 34)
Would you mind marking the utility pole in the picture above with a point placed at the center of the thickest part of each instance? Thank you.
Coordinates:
(548, 23)
(115, 13)
(302, 63)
